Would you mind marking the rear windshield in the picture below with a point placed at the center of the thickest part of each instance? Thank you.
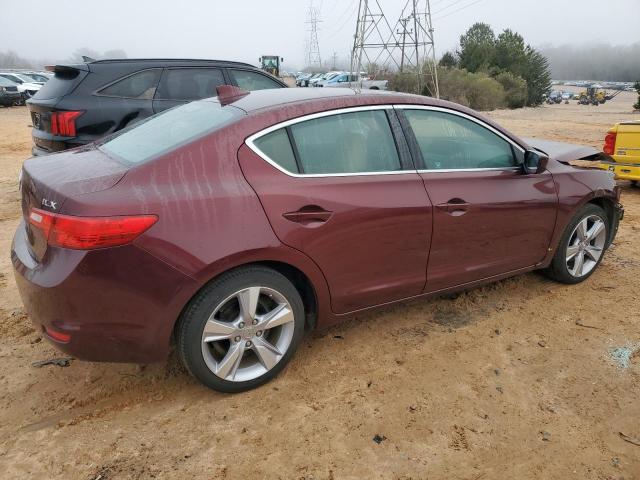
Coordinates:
(169, 130)
(63, 82)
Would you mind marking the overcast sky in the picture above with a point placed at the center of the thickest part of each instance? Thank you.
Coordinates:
(246, 29)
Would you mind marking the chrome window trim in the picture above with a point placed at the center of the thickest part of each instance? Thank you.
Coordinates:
(473, 119)
(249, 142)
(453, 170)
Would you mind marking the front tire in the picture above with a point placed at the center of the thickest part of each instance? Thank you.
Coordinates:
(240, 331)
(581, 247)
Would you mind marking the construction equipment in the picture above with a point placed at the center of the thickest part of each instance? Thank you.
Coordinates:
(271, 64)
(592, 96)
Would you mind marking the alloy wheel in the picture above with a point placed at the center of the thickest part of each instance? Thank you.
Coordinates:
(247, 334)
(586, 245)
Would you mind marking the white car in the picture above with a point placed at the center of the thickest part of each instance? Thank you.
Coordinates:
(327, 76)
(27, 86)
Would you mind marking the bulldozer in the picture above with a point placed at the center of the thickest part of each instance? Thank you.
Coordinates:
(271, 64)
(592, 96)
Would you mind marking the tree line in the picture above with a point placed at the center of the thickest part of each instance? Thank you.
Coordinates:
(521, 70)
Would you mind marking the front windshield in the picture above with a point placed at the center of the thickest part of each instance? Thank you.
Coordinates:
(24, 78)
(12, 78)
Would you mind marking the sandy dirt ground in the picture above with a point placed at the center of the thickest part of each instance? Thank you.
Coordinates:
(511, 381)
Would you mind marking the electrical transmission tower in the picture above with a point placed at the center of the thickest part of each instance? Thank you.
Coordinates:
(412, 50)
(313, 48)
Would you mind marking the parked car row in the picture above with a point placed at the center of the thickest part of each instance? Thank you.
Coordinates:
(340, 79)
(27, 84)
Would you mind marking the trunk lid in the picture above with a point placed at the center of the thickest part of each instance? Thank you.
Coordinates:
(47, 182)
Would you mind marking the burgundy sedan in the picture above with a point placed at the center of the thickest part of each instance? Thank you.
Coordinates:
(232, 225)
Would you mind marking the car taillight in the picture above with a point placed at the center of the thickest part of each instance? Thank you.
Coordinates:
(64, 123)
(86, 233)
(57, 336)
(609, 143)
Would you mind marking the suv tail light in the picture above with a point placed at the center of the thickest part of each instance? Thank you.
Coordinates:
(87, 233)
(64, 123)
(609, 143)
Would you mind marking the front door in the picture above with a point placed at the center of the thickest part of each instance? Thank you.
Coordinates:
(489, 218)
(335, 188)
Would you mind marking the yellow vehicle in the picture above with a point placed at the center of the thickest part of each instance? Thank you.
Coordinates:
(592, 96)
(622, 143)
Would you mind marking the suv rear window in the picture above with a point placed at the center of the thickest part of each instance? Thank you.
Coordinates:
(169, 130)
(139, 85)
(65, 80)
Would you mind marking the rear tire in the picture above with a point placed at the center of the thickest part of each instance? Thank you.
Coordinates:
(241, 330)
(581, 247)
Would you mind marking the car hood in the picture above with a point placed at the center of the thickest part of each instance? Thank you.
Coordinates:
(564, 152)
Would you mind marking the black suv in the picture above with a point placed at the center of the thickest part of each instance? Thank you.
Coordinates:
(84, 102)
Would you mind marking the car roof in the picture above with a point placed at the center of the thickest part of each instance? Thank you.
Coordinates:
(329, 97)
(176, 61)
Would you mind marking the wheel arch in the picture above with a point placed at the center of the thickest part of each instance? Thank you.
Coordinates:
(306, 278)
(609, 207)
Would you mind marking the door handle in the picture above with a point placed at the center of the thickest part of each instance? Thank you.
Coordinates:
(308, 214)
(455, 207)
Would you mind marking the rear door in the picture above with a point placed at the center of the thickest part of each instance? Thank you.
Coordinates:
(489, 218)
(340, 187)
(125, 101)
(182, 85)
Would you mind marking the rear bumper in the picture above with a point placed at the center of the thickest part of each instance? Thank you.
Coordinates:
(622, 171)
(116, 305)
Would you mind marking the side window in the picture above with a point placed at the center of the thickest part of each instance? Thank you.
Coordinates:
(277, 147)
(189, 83)
(248, 80)
(448, 141)
(139, 85)
(353, 142)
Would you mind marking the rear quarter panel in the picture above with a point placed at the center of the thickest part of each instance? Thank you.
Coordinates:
(210, 219)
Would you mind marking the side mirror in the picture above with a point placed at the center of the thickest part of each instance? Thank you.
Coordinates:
(534, 162)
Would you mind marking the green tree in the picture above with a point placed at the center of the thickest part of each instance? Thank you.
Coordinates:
(477, 48)
(537, 76)
(510, 53)
(448, 60)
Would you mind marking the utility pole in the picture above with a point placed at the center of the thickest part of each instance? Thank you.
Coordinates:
(376, 43)
(403, 22)
(313, 48)
(335, 57)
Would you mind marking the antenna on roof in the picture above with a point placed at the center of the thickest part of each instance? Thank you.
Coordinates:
(229, 93)
(86, 59)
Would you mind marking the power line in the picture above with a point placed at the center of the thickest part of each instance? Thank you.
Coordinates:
(346, 21)
(457, 10)
(447, 7)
